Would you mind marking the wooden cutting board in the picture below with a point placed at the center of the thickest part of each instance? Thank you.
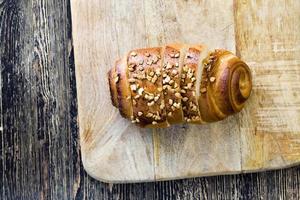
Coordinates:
(265, 135)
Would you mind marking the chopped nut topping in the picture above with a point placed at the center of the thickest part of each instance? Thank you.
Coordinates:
(158, 72)
(172, 55)
(133, 102)
(140, 91)
(128, 98)
(176, 105)
(140, 114)
(133, 87)
(137, 120)
(183, 91)
(193, 79)
(149, 62)
(169, 66)
(167, 79)
(150, 103)
(189, 85)
(131, 80)
(133, 121)
(178, 95)
(150, 97)
(174, 72)
(185, 99)
(171, 101)
(164, 75)
(117, 79)
(188, 120)
(141, 62)
(147, 54)
(171, 82)
(197, 118)
(137, 96)
(141, 68)
(203, 90)
(212, 79)
(175, 85)
(149, 115)
(155, 59)
(170, 114)
(177, 55)
(151, 73)
(185, 68)
(156, 98)
(162, 106)
(159, 89)
(133, 53)
(183, 76)
(154, 122)
(177, 64)
(194, 108)
(154, 79)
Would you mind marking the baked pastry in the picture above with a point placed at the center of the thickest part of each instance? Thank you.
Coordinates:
(157, 87)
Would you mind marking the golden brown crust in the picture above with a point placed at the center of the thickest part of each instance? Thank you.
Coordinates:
(226, 85)
(144, 85)
(124, 95)
(113, 79)
(145, 77)
(172, 66)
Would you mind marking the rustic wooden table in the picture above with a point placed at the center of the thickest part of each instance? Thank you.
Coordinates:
(39, 149)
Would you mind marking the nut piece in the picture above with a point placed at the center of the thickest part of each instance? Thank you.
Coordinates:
(140, 91)
(140, 114)
(178, 95)
(185, 99)
(150, 103)
(133, 87)
(133, 53)
(212, 79)
(203, 90)
(133, 102)
(117, 79)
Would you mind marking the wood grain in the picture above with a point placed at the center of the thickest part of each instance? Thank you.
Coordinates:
(127, 152)
(21, 152)
(261, 137)
(268, 38)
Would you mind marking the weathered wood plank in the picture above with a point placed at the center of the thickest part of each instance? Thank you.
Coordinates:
(28, 182)
(268, 38)
(39, 156)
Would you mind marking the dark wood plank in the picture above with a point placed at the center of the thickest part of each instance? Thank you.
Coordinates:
(39, 150)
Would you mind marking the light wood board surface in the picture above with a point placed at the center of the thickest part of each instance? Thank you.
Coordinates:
(265, 135)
